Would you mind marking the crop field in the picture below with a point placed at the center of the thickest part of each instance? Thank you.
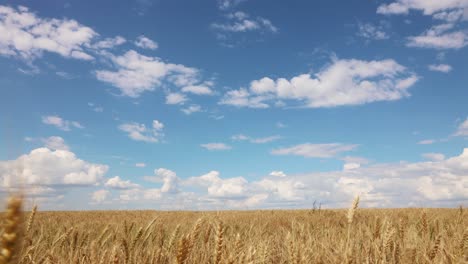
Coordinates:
(275, 236)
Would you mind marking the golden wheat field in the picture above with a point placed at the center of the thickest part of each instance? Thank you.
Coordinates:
(274, 236)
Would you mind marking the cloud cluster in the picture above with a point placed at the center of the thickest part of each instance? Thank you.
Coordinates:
(344, 82)
(443, 36)
(438, 182)
(23, 34)
(242, 22)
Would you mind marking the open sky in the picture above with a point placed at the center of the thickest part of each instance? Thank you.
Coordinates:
(234, 104)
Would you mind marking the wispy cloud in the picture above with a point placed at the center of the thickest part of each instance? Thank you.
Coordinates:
(60, 123)
(216, 146)
(310, 150)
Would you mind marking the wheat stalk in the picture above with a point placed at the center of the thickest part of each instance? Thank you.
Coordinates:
(11, 232)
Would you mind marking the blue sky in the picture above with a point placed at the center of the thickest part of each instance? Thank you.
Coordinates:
(234, 104)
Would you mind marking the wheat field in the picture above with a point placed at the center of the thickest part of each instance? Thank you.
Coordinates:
(270, 236)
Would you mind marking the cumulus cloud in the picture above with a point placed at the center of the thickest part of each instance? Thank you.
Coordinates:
(315, 150)
(261, 140)
(462, 129)
(439, 182)
(168, 178)
(25, 35)
(140, 132)
(55, 143)
(45, 167)
(117, 183)
(217, 187)
(445, 68)
(136, 73)
(60, 123)
(216, 146)
(242, 22)
(146, 43)
(344, 82)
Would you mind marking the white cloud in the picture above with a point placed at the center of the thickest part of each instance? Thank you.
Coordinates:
(217, 187)
(351, 166)
(109, 43)
(428, 7)
(277, 174)
(100, 196)
(140, 132)
(140, 165)
(286, 190)
(146, 43)
(280, 125)
(227, 4)
(96, 108)
(440, 67)
(216, 146)
(262, 140)
(117, 183)
(427, 142)
(315, 150)
(191, 109)
(354, 159)
(45, 167)
(434, 156)
(440, 182)
(60, 123)
(242, 22)
(25, 35)
(198, 89)
(55, 143)
(438, 37)
(371, 32)
(462, 129)
(176, 98)
(344, 82)
(243, 98)
(168, 178)
(137, 73)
